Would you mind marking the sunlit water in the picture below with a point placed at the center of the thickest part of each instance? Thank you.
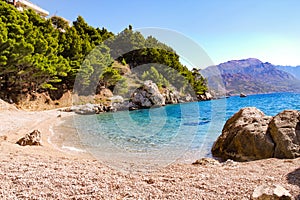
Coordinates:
(159, 136)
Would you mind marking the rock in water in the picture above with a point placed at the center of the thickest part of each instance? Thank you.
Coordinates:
(147, 96)
(285, 131)
(273, 192)
(244, 137)
(243, 95)
(33, 138)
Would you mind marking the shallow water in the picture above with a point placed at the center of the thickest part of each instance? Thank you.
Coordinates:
(157, 137)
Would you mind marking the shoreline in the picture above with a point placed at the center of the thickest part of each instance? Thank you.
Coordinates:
(63, 148)
(48, 173)
(19, 122)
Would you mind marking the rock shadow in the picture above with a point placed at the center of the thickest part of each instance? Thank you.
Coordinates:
(294, 179)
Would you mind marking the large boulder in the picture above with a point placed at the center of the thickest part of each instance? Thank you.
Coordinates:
(244, 137)
(285, 131)
(250, 135)
(147, 96)
(32, 139)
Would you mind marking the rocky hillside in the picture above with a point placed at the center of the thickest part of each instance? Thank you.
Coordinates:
(82, 58)
(295, 71)
(250, 76)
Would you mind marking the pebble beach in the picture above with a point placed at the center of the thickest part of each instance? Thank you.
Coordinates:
(46, 172)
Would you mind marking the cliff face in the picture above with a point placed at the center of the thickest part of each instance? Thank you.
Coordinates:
(249, 76)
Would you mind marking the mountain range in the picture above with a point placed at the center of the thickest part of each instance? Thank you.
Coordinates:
(290, 69)
(251, 76)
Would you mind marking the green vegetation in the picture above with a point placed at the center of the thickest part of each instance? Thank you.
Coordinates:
(39, 55)
(156, 77)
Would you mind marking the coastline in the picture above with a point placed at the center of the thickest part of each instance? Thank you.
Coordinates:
(16, 123)
(49, 173)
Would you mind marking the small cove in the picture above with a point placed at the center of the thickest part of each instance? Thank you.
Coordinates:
(151, 138)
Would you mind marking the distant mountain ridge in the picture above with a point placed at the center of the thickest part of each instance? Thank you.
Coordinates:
(250, 76)
(295, 71)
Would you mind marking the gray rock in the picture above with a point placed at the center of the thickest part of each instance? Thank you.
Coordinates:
(171, 96)
(271, 192)
(285, 131)
(187, 98)
(206, 161)
(89, 109)
(205, 97)
(208, 95)
(126, 105)
(230, 163)
(116, 99)
(141, 98)
(244, 137)
(243, 95)
(85, 109)
(147, 96)
(33, 138)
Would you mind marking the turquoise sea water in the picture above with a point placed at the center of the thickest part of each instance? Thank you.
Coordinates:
(159, 136)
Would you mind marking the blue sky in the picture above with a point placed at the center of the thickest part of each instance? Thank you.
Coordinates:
(268, 30)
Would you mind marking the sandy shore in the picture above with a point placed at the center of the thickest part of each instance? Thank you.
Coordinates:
(44, 172)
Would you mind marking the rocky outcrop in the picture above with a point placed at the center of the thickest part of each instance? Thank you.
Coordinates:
(243, 95)
(187, 98)
(33, 138)
(171, 96)
(205, 97)
(244, 137)
(86, 109)
(126, 105)
(250, 135)
(271, 192)
(285, 131)
(147, 96)
(105, 92)
(116, 99)
(89, 109)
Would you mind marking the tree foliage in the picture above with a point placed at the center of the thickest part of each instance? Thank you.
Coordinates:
(29, 52)
(156, 77)
(38, 54)
(135, 50)
(60, 23)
